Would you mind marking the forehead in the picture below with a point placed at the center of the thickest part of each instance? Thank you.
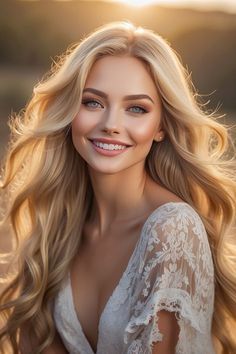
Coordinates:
(128, 75)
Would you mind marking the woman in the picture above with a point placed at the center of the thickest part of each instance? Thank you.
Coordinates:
(123, 204)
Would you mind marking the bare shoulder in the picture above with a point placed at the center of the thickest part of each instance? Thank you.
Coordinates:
(158, 195)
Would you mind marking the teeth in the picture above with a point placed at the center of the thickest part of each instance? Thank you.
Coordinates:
(109, 146)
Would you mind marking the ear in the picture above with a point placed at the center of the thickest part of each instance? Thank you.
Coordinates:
(160, 135)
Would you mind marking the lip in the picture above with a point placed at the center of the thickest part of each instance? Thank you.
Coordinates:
(108, 152)
(109, 141)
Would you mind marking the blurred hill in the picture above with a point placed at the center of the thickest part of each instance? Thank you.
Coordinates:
(32, 33)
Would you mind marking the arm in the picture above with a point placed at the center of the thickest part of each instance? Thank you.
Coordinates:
(169, 328)
(26, 345)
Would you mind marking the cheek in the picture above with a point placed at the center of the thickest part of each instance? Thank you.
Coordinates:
(79, 128)
(144, 133)
(79, 124)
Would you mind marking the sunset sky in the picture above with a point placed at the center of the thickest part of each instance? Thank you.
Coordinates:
(227, 5)
(224, 5)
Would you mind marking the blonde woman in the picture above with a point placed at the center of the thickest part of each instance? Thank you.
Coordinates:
(122, 199)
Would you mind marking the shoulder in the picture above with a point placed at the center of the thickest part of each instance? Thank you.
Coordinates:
(176, 244)
(175, 211)
(166, 207)
(176, 272)
(176, 221)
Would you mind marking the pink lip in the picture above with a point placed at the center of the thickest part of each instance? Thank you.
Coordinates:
(107, 152)
(109, 141)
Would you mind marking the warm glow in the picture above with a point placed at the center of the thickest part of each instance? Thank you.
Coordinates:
(138, 2)
(221, 5)
(147, 2)
(227, 5)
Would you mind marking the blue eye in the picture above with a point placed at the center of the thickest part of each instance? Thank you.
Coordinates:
(140, 110)
(91, 103)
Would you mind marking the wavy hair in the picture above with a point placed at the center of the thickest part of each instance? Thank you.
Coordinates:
(49, 193)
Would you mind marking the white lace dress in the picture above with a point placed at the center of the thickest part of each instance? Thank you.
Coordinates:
(171, 268)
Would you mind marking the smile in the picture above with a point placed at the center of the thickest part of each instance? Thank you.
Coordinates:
(109, 146)
(108, 149)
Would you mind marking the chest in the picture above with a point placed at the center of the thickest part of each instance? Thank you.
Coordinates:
(95, 274)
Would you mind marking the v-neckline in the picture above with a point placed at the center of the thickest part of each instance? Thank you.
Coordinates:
(111, 296)
(119, 282)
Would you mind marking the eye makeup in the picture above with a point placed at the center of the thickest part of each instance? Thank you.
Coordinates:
(87, 101)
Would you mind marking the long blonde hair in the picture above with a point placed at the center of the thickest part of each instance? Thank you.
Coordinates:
(49, 191)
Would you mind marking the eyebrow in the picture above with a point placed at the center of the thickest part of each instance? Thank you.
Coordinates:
(126, 98)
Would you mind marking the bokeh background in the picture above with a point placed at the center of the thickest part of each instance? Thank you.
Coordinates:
(33, 33)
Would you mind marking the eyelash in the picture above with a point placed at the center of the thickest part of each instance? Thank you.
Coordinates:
(85, 102)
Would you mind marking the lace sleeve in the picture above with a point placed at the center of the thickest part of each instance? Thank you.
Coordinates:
(175, 274)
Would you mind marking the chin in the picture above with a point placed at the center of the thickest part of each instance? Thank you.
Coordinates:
(109, 170)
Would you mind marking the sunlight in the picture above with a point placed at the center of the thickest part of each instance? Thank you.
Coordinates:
(138, 2)
(148, 2)
(227, 5)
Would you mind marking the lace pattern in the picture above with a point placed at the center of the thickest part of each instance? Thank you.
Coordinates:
(176, 275)
(171, 269)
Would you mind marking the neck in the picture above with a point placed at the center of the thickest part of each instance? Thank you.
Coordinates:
(117, 197)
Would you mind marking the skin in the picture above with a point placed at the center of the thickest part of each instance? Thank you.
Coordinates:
(119, 182)
(26, 344)
(123, 191)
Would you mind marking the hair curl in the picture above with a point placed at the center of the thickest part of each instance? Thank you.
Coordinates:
(49, 191)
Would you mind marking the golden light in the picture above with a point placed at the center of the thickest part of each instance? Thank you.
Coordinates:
(138, 2)
(148, 2)
(225, 5)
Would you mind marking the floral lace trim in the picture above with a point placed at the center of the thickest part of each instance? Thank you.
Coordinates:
(144, 328)
(176, 274)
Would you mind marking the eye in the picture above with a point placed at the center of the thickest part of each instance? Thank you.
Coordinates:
(139, 110)
(91, 103)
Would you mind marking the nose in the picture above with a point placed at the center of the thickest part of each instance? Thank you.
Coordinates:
(112, 122)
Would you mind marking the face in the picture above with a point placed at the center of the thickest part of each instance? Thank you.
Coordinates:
(119, 116)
